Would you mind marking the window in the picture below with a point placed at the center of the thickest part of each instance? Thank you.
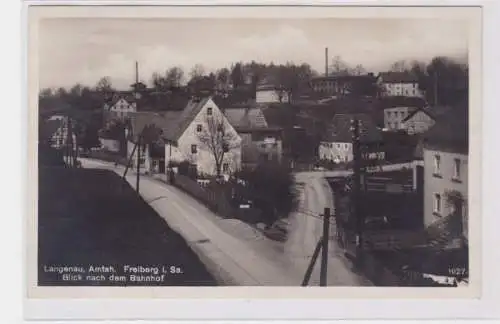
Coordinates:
(338, 146)
(225, 167)
(194, 149)
(437, 203)
(198, 128)
(209, 111)
(437, 165)
(456, 164)
(346, 146)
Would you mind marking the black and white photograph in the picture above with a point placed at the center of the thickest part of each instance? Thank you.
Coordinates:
(229, 151)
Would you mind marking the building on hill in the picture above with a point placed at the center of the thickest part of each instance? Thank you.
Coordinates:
(200, 134)
(394, 117)
(400, 84)
(265, 94)
(260, 142)
(446, 167)
(343, 84)
(336, 144)
(419, 121)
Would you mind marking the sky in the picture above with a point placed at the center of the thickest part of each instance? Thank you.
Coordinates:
(82, 50)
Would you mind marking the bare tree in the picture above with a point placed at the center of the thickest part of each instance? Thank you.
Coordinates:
(174, 76)
(197, 71)
(218, 140)
(104, 85)
(400, 66)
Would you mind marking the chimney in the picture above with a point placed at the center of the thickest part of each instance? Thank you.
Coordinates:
(136, 72)
(326, 61)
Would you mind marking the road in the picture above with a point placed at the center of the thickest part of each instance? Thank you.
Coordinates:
(237, 253)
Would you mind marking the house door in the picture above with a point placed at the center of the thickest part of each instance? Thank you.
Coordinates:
(161, 166)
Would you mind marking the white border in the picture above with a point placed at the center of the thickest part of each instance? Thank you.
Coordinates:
(316, 309)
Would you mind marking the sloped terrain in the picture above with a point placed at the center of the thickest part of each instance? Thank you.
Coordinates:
(93, 217)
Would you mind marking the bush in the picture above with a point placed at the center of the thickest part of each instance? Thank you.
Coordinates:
(271, 188)
(188, 169)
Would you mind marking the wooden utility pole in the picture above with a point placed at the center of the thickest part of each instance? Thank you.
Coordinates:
(324, 250)
(310, 268)
(356, 190)
(138, 162)
(435, 88)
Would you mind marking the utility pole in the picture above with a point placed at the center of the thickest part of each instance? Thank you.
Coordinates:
(138, 162)
(435, 88)
(324, 250)
(356, 192)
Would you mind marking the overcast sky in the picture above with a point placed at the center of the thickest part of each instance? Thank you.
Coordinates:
(83, 50)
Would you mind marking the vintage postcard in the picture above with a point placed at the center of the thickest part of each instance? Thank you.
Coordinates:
(291, 151)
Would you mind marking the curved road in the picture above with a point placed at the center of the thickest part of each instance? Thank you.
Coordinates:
(239, 254)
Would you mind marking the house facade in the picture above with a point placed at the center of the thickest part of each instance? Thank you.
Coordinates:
(59, 137)
(270, 94)
(418, 122)
(445, 154)
(259, 141)
(199, 134)
(400, 84)
(121, 106)
(336, 145)
(394, 117)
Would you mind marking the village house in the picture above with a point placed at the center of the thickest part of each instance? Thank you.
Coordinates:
(266, 94)
(150, 125)
(121, 105)
(200, 133)
(400, 84)
(419, 121)
(60, 128)
(446, 168)
(340, 85)
(336, 144)
(394, 117)
(260, 142)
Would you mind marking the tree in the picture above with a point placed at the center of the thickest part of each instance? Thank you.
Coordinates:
(399, 66)
(197, 71)
(338, 67)
(358, 70)
(217, 138)
(223, 76)
(104, 85)
(237, 77)
(174, 76)
(272, 189)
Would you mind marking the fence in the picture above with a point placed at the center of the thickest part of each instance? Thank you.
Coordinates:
(216, 198)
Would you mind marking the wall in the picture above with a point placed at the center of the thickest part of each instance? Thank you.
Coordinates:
(440, 183)
(337, 152)
(419, 123)
(402, 89)
(204, 159)
(270, 96)
(393, 117)
(122, 108)
(146, 162)
(110, 144)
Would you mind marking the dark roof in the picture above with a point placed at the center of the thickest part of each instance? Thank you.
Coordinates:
(246, 117)
(450, 132)
(414, 112)
(345, 78)
(398, 77)
(402, 101)
(340, 129)
(178, 121)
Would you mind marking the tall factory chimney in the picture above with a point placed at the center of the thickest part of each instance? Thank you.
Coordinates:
(326, 61)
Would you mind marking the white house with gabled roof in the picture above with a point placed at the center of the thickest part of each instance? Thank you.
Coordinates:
(201, 133)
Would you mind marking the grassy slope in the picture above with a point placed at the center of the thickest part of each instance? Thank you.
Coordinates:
(94, 217)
